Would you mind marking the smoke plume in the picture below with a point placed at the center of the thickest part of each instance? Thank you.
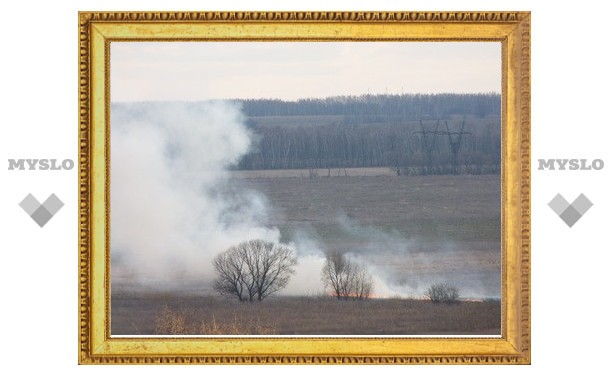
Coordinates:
(170, 210)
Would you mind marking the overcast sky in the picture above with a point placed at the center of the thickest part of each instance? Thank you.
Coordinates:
(192, 71)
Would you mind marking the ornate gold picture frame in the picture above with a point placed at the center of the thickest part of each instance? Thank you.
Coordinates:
(96, 32)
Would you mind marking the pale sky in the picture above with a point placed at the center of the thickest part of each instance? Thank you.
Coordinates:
(193, 71)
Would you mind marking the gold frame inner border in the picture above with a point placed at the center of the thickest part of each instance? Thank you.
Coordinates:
(98, 29)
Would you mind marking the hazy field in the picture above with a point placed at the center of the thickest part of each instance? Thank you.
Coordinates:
(411, 231)
(414, 230)
(183, 314)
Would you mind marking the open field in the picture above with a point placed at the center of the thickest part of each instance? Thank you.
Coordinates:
(414, 230)
(410, 231)
(432, 207)
(321, 172)
(139, 314)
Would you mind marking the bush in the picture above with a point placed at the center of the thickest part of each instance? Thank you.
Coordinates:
(442, 293)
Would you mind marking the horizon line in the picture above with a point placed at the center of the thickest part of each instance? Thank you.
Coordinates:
(314, 98)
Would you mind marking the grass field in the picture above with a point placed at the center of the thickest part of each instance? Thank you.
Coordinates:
(183, 314)
(412, 231)
(430, 207)
(415, 230)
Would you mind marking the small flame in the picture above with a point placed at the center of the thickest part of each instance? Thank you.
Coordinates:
(355, 295)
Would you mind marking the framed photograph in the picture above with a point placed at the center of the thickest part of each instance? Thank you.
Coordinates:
(304, 187)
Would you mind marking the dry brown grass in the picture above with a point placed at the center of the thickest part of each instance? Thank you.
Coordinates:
(171, 322)
(173, 315)
(176, 322)
(236, 327)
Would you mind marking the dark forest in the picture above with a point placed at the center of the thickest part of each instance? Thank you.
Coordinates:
(412, 134)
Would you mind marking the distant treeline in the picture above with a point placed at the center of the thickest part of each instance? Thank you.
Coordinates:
(413, 134)
(382, 107)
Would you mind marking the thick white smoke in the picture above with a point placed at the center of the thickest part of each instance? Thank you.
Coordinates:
(170, 212)
(172, 208)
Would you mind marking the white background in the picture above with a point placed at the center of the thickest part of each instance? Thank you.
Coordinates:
(570, 103)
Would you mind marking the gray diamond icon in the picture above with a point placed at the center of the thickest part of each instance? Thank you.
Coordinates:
(558, 204)
(41, 216)
(41, 213)
(582, 204)
(570, 216)
(53, 204)
(29, 204)
(570, 213)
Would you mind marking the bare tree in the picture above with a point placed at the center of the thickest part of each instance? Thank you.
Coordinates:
(362, 283)
(253, 270)
(347, 279)
(333, 274)
(442, 292)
